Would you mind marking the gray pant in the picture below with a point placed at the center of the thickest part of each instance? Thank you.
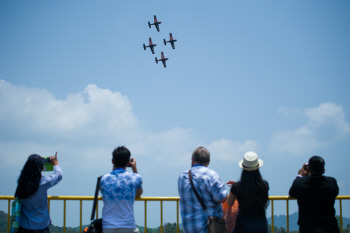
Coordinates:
(120, 230)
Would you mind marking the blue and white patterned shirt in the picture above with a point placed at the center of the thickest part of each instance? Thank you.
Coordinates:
(210, 188)
(118, 190)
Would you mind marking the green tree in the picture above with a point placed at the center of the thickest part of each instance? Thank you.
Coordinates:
(276, 229)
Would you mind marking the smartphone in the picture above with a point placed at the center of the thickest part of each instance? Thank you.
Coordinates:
(47, 165)
(306, 166)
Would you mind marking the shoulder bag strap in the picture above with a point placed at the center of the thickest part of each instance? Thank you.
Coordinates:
(95, 199)
(195, 191)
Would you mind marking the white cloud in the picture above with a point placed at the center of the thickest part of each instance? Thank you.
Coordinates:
(86, 127)
(325, 125)
(93, 112)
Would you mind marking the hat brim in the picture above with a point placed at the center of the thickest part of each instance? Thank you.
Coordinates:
(261, 162)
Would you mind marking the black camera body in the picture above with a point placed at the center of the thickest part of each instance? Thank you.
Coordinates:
(46, 160)
(47, 165)
(131, 160)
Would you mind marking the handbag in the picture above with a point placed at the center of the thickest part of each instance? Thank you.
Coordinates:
(15, 215)
(215, 224)
(230, 214)
(95, 225)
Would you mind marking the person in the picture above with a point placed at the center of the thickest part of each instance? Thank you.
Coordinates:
(209, 187)
(119, 189)
(32, 191)
(315, 195)
(251, 191)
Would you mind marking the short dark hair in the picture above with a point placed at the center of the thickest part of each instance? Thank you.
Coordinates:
(201, 155)
(121, 156)
(316, 164)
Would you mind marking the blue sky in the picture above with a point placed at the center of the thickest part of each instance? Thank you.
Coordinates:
(272, 77)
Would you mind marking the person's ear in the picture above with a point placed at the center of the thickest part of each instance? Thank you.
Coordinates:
(112, 161)
(323, 171)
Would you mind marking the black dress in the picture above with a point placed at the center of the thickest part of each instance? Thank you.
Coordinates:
(252, 221)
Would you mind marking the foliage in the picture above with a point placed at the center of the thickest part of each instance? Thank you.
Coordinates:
(167, 228)
(276, 229)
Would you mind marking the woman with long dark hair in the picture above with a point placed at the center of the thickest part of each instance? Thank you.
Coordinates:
(32, 191)
(251, 191)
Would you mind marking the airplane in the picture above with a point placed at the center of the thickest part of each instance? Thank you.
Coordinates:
(156, 23)
(163, 59)
(151, 45)
(171, 41)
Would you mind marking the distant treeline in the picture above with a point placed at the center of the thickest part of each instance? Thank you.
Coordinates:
(279, 225)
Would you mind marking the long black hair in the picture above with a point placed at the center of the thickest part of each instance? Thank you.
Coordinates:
(28, 182)
(252, 190)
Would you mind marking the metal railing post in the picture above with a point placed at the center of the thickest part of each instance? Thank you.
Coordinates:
(9, 216)
(64, 216)
(287, 207)
(145, 216)
(161, 216)
(272, 218)
(81, 216)
(177, 217)
(341, 216)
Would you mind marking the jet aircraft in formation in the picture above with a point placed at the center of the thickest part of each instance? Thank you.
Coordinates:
(171, 41)
(156, 23)
(151, 45)
(163, 59)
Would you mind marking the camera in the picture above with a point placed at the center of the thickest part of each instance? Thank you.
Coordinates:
(131, 160)
(47, 165)
(306, 166)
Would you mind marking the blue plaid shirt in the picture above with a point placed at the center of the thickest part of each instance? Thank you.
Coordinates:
(210, 188)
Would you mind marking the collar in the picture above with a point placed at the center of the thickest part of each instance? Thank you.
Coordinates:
(119, 169)
(198, 165)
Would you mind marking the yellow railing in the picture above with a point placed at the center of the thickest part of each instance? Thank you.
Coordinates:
(161, 200)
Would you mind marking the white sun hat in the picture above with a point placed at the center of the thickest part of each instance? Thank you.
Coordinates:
(250, 162)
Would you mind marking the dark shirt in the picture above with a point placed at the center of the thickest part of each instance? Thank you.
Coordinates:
(316, 196)
(253, 221)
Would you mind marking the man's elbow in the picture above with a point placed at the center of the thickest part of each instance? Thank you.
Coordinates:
(139, 193)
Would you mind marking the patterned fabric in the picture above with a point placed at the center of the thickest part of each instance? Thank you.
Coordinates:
(118, 189)
(15, 215)
(28, 182)
(211, 189)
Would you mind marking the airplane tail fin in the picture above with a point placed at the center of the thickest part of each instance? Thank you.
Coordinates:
(149, 24)
(156, 60)
(144, 46)
(164, 41)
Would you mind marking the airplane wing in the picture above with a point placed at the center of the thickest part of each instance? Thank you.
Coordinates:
(172, 44)
(155, 19)
(157, 26)
(150, 41)
(152, 49)
(164, 63)
(163, 56)
(171, 36)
